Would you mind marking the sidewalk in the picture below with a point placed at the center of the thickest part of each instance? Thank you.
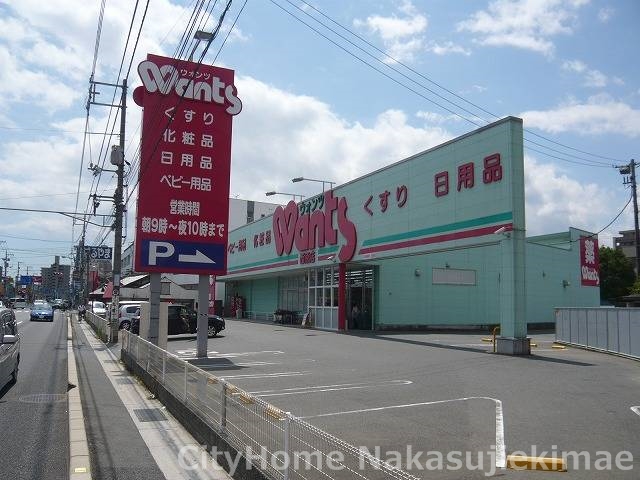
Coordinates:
(130, 435)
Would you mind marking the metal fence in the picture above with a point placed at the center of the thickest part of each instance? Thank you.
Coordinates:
(613, 330)
(98, 323)
(280, 445)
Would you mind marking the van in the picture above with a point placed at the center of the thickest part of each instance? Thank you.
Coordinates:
(18, 302)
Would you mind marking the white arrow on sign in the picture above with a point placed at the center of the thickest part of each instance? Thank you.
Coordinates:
(198, 257)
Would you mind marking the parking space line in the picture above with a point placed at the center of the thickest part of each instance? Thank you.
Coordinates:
(328, 388)
(266, 375)
(244, 354)
(636, 410)
(233, 365)
(501, 457)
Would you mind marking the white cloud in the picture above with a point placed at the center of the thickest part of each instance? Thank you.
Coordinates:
(447, 48)
(525, 24)
(592, 77)
(605, 14)
(19, 84)
(280, 135)
(556, 201)
(392, 28)
(600, 114)
(402, 37)
(574, 65)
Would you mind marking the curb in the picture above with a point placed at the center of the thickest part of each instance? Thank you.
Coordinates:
(79, 462)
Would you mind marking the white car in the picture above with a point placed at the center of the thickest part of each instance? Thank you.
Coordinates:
(9, 347)
(98, 308)
(18, 302)
(128, 310)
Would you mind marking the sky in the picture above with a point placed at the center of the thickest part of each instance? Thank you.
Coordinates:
(330, 90)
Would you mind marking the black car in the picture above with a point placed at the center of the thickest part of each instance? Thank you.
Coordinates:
(184, 320)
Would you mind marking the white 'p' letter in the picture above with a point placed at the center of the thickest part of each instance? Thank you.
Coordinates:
(160, 250)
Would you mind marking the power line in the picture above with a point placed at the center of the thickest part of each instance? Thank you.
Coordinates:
(305, 11)
(159, 117)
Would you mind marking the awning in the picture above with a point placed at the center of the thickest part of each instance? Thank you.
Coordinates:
(108, 291)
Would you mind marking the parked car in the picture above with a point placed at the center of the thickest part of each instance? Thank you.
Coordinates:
(128, 310)
(182, 319)
(41, 311)
(9, 347)
(18, 302)
(98, 308)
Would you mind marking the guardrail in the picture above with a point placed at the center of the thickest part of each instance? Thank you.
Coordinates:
(611, 330)
(98, 323)
(279, 445)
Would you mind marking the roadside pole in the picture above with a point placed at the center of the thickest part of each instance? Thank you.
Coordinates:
(203, 315)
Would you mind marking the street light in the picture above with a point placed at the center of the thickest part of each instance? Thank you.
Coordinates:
(294, 195)
(300, 179)
(199, 36)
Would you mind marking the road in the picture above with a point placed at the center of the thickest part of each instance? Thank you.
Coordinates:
(34, 423)
(437, 392)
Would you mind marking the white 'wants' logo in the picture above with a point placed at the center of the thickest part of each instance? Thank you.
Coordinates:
(167, 78)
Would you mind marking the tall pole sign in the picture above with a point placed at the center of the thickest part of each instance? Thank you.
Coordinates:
(183, 196)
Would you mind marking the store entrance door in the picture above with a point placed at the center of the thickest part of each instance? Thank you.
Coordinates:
(360, 299)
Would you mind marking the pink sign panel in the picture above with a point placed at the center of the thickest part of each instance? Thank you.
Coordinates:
(589, 262)
(183, 197)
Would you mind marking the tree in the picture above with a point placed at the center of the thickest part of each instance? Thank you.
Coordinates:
(616, 274)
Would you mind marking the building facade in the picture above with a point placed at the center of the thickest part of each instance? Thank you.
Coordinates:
(437, 239)
(626, 243)
(56, 280)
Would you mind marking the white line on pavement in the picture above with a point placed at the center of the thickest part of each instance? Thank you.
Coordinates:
(636, 410)
(233, 365)
(267, 375)
(501, 457)
(328, 388)
(244, 354)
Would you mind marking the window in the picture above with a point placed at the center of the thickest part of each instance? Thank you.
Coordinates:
(293, 293)
(453, 276)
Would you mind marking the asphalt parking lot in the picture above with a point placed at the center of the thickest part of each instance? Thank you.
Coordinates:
(441, 394)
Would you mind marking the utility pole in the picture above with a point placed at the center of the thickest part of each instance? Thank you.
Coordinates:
(117, 245)
(6, 270)
(631, 180)
(117, 159)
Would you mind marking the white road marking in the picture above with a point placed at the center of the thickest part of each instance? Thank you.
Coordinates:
(19, 323)
(213, 354)
(636, 410)
(267, 375)
(233, 365)
(244, 354)
(501, 457)
(328, 388)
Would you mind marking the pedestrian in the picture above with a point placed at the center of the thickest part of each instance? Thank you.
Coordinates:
(355, 312)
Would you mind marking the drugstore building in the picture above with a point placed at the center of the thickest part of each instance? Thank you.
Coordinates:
(437, 239)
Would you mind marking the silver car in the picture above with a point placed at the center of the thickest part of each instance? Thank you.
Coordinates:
(9, 347)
